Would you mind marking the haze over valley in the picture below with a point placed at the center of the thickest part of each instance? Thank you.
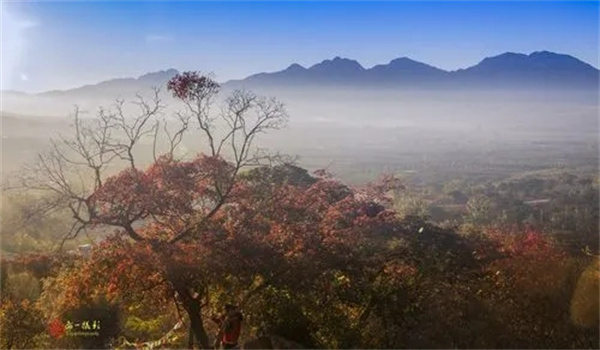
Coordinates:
(359, 127)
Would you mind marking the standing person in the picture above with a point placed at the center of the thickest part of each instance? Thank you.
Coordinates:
(230, 327)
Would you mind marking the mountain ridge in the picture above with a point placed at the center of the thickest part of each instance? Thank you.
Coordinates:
(539, 69)
(145, 81)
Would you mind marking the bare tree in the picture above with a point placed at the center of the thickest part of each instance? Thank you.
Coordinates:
(76, 168)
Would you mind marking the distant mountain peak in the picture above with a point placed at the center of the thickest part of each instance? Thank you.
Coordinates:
(115, 86)
(338, 63)
(402, 59)
(159, 75)
(545, 53)
(554, 57)
(534, 58)
(536, 55)
(509, 54)
(405, 69)
(504, 57)
(539, 69)
(408, 62)
(295, 67)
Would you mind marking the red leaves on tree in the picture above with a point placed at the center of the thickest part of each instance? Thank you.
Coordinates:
(124, 197)
(294, 229)
(528, 259)
(528, 243)
(168, 192)
(191, 85)
(117, 268)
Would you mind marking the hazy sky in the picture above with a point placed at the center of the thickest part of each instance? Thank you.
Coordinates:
(57, 45)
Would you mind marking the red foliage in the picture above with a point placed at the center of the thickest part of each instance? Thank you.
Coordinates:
(289, 233)
(124, 197)
(191, 85)
(169, 192)
(529, 243)
(527, 260)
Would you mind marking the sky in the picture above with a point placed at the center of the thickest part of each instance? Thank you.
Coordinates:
(59, 45)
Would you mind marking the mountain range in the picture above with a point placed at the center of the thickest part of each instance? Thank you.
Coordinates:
(538, 70)
(509, 70)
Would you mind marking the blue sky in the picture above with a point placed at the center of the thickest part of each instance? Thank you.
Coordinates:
(58, 45)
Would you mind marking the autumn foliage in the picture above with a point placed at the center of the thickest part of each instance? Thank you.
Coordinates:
(332, 258)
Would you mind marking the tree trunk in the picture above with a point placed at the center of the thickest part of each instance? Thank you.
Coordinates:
(190, 344)
(189, 299)
(193, 308)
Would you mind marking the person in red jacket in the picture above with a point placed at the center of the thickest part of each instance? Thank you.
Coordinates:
(230, 327)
